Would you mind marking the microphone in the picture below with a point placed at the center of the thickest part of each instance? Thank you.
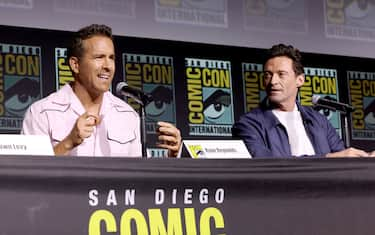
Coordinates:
(142, 98)
(331, 104)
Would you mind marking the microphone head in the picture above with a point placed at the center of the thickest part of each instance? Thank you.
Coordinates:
(120, 86)
(123, 89)
(315, 99)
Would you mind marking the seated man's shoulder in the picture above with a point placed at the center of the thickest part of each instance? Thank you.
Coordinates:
(254, 116)
(257, 112)
(313, 114)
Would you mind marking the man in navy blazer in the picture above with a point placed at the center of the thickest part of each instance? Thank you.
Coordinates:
(281, 127)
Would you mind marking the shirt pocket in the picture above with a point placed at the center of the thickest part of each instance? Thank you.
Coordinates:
(61, 122)
(120, 136)
(122, 141)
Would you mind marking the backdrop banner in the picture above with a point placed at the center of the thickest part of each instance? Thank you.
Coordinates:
(44, 195)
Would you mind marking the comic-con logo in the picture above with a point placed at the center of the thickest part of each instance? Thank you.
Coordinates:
(20, 82)
(209, 97)
(202, 12)
(254, 91)
(350, 19)
(154, 75)
(63, 73)
(362, 97)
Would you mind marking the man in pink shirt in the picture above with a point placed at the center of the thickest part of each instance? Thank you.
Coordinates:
(84, 118)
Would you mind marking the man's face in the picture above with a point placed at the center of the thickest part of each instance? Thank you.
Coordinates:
(96, 68)
(281, 82)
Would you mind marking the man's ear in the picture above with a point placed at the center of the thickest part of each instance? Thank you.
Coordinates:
(300, 80)
(74, 64)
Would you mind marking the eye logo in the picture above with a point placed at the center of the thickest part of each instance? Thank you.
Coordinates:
(20, 96)
(162, 98)
(215, 106)
(326, 112)
(358, 9)
(369, 114)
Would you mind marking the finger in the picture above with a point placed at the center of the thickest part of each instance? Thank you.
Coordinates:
(85, 128)
(167, 131)
(364, 154)
(92, 118)
(88, 129)
(164, 124)
(85, 133)
(83, 124)
(358, 153)
(168, 139)
(167, 146)
(167, 127)
(85, 115)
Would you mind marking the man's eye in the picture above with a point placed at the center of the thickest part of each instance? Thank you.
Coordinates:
(267, 75)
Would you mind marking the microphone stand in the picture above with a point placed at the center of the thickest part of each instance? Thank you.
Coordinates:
(346, 128)
(345, 113)
(143, 130)
(142, 100)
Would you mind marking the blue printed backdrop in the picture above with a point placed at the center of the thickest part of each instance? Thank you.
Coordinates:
(229, 84)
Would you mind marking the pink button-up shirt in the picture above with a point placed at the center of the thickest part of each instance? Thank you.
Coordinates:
(118, 133)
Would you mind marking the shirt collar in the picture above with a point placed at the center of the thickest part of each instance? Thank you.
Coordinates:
(65, 98)
(273, 121)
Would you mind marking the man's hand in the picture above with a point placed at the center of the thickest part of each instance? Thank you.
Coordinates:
(350, 152)
(169, 137)
(83, 128)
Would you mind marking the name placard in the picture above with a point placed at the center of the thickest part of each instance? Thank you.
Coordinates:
(214, 149)
(25, 145)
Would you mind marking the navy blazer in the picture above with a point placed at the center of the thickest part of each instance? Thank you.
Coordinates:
(265, 136)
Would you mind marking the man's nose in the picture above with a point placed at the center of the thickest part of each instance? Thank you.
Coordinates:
(274, 79)
(108, 63)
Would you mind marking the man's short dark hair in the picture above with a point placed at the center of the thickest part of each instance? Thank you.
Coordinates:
(288, 51)
(76, 47)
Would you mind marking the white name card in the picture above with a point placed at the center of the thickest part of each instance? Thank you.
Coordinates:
(25, 145)
(215, 149)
